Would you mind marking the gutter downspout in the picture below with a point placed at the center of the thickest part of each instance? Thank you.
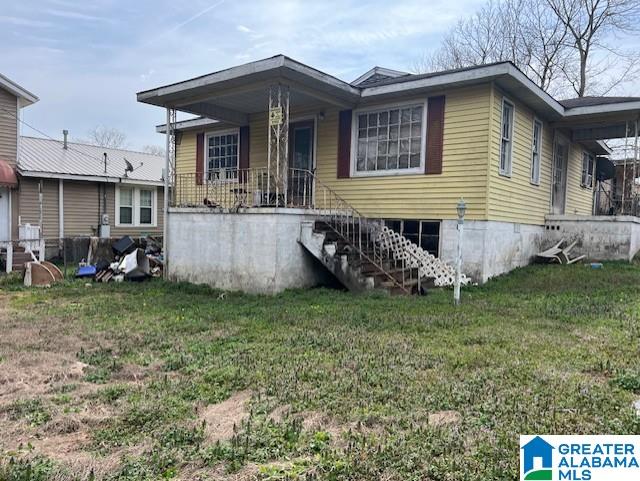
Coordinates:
(61, 210)
(165, 223)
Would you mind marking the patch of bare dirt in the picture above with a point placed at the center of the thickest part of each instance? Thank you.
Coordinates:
(279, 413)
(313, 421)
(37, 359)
(444, 418)
(29, 374)
(196, 473)
(220, 419)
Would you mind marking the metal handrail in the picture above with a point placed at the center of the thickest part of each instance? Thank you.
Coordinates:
(346, 221)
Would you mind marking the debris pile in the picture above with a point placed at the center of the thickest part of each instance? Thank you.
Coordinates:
(122, 260)
(41, 273)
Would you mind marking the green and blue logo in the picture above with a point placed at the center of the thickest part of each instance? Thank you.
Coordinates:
(580, 458)
(536, 460)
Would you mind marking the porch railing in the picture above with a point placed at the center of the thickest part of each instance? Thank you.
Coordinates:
(243, 188)
(607, 203)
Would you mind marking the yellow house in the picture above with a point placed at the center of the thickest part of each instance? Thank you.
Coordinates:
(276, 139)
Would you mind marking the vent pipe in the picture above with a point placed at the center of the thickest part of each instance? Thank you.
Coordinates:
(65, 133)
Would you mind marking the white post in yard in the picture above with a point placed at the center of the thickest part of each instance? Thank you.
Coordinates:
(167, 173)
(9, 266)
(460, 208)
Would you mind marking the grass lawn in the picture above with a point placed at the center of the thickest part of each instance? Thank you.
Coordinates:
(159, 380)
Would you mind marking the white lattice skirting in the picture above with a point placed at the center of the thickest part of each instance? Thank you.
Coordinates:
(428, 266)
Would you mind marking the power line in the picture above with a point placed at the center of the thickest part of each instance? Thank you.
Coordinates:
(89, 156)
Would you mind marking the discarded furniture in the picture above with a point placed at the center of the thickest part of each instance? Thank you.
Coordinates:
(559, 254)
(41, 274)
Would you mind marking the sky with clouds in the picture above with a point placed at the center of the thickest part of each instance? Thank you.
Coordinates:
(87, 59)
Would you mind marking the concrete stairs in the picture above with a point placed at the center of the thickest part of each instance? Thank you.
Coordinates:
(358, 269)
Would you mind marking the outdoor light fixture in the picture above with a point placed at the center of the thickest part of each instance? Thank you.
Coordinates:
(321, 116)
(461, 209)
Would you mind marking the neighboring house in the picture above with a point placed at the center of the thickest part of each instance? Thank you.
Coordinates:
(619, 191)
(393, 146)
(13, 98)
(69, 189)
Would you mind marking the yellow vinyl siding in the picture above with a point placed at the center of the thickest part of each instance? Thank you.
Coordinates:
(422, 196)
(465, 154)
(579, 199)
(515, 198)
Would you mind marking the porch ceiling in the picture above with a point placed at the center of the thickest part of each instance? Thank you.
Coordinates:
(607, 120)
(231, 95)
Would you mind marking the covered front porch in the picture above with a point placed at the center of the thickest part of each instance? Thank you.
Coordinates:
(242, 164)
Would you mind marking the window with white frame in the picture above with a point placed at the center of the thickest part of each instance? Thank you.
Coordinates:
(145, 207)
(126, 206)
(222, 155)
(506, 145)
(588, 163)
(536, 151)
(389, 140)
(136, 206)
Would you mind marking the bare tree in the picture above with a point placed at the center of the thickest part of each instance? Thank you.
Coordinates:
(560, 44)
(107, 137)
(520, 31)
(590, 24)
(544, 37)
(154, 150)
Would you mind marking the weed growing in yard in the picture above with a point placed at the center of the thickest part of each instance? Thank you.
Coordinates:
(364, 387)
(30, 410)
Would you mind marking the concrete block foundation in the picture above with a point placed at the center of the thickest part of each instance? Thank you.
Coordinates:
(255, 251)
(490, 248)
(600, 238)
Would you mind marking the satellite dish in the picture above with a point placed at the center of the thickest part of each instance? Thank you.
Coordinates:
(129, 168)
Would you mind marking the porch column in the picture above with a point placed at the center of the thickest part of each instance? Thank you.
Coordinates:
(168, 172)
(278, 151)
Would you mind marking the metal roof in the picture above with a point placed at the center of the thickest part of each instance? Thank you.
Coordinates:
(47, 158)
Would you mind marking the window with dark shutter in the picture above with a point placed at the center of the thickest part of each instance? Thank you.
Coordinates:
(344, 144)
(435, 135)
(199, 158)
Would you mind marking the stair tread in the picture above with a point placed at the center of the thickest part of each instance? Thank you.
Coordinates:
(407, 283)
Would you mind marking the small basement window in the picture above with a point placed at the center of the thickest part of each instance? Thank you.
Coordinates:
(424, 233)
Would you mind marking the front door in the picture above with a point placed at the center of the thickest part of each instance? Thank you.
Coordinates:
(4, 214)
(559, 187)
(301, 163)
